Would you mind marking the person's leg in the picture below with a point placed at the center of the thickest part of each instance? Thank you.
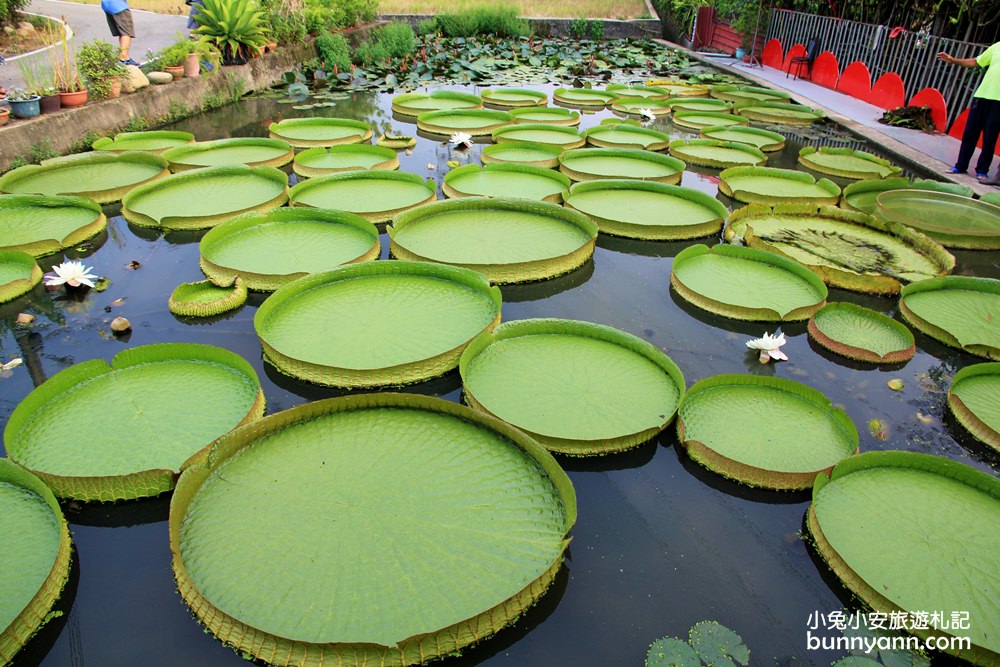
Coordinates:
(973, 128)
(124, 42)
(991, 131)
(126, 32)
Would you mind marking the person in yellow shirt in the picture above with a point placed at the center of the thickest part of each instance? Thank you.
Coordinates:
(984, 115)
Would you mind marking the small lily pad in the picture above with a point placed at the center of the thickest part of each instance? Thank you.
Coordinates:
(206, 299)
(862, 334)
(717, 645)
(19, 273)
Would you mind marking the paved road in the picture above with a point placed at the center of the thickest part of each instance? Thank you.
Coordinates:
(153, 32)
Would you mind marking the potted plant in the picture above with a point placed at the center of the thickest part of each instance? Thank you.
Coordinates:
(172, 58)
(4, 115)
(23, 103)
(99, 65)
(39, 78)
(72, 92)
(50, 102)
(236, 28)
(200, 52)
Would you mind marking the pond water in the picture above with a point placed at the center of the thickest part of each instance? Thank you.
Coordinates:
(660, 543)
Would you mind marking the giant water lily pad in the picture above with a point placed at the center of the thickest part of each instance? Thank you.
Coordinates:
(540, 133)
(623, 90)
(678, 87)
(112, 432)
(747, 284)
(957, 310)
(582, 97)
(698, 104)
(891, 525)
(309, 132)
(576, 387)
(155, 141)
(626, 136)
(34, 557)
(778, 112)
(974, 399)
(732, 93)
(862, 334)
(846, 248)
(414, 104)
(640, 106)
(523, 152)
(288, 243)
(953, 220)
(514, 97)
(587, 164)
(477, 122)
(509, 240)
(376, 323)
(101, 176)
(206, 298)
(505, 180)
(374, 195)
(846, 162)
(321, 161)
(41, 225)
(206, 197)
(545, 115)
(696, 120)
(420, 526)
(252, 151)
(718, 154)
(768, 185)
(765, 140)
(767, 449)
(863, 195)
(19, 273)
(647, 210)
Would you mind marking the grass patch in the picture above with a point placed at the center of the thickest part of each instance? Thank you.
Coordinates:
(607, 9)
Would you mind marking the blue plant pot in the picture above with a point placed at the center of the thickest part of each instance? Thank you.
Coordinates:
(25, 108)
(740, 53)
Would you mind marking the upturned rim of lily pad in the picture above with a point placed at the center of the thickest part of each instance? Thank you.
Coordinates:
(776, 145)
(378, 217)
(967, 416)
(488, 154)
(567, 158)
(31, 274)
(830, 196)
(400, 102)
(698, 104)
(630, 90)
(770, 112)
(680, 148)
(535, 98)
(958, 230)
(574, 139)
(148, 161)
(808, 158)
(696, 120)
(207, 298)
(556, 116)
(431, 121)
(853, 350)
(453, 189)
(161, 140)
(658, 140)
(301, 166)
(279, 153)
(688, 89)
(949, 336)
(46, 246)
(364, 131)
(593, 97)
(731, 93)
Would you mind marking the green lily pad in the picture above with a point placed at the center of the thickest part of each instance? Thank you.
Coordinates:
(718, 154)
(41, 225)
(861, 196)
(321, 327)
(698, 104)
(623, 90)
(321, 161)
(309, 132)
(114, 432)
(19, 273)
(767, 449)
(764, 140)
(206, 197)
(377, 196)
(582, 97)
(523, 152)
(545, 115)
(540, 133)
(747, 284)
(514, 97)
(957, 310)
(155, 141)
(697, 120)
(471, 541)
(888, 523)
(679, 88)
(952, 220)
(288, 243)
(413, 104)
(252, 151)
(396, 141)
(974, 399)
(991, 198)
(861, 334)
(477, 122)
(558, 380)
(732, 93)
(101, 176)
(34, 559)
(586, 164)
(636, 106)
(626, 136)
(717, 645)
(671, 652)
(647, 210)
(846, 162)
(771, 186)
(778, 112)
(206, 298)
(506, 180)
(509, 240)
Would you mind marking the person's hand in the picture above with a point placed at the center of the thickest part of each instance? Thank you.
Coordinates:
(945, 57)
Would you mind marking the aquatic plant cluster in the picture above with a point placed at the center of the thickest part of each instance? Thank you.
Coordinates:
(452, 521)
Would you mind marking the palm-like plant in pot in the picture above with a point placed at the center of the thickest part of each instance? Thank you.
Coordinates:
(236, 28)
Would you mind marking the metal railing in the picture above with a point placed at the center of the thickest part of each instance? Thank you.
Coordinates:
(912, 56)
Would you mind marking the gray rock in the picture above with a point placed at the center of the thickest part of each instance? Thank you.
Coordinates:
(136, 80)
(159, 77)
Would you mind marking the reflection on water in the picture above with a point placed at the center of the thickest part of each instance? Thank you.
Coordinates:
(660, 543)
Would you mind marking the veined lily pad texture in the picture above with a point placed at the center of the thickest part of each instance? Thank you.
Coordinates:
(540, 133)
(506, 180)
(747, 284)
(309, 132)
(377, 196)
(19, 273)
(768, 449)
(477, 122)
(514, 97)
(206, 197)
(205, 298)
(889, 526)
(637, 106)
(508, 240)
(861, 334)
(35, 556)
(578, 388)
(846, 162)
(623, 90)
(718, 154)
(778, 112)
(954, 221)
(101, 176)
(626, 136)
(376, 323)
(698, 104)
(252, 151)
(471, 535)
(647, 210)
(586, 164)
(99, 431)
(583, 97)
(696, 120)
(974, 399)
(41, 225)
(414, 104)
(155, 141)
(957, 310)
(771, 186)
(272, 250)
(321, 161)
(747, 93)
(523, 152)
(545, 115)
(678, 88)
(847, 249)
(765, 140)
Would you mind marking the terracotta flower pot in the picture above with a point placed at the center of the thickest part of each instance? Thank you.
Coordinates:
(116, 89)
(270, 47)
(192, 65)
(176, 71)
(75, 99)
(4, 116)
(50, 103)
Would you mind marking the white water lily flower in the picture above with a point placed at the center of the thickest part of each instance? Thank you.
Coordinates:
(461, 140)
(72, 273)
(13, 363)
(768, 346)
(647, 114)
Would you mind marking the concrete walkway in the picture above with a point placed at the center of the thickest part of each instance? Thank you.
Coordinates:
(153, 32)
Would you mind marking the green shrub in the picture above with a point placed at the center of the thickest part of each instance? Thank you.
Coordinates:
(321, 19)
(394, 40)
(333, 52)
(596, 30)
(427, 27)
(499, 20)
(9, 7)
(97, 62)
